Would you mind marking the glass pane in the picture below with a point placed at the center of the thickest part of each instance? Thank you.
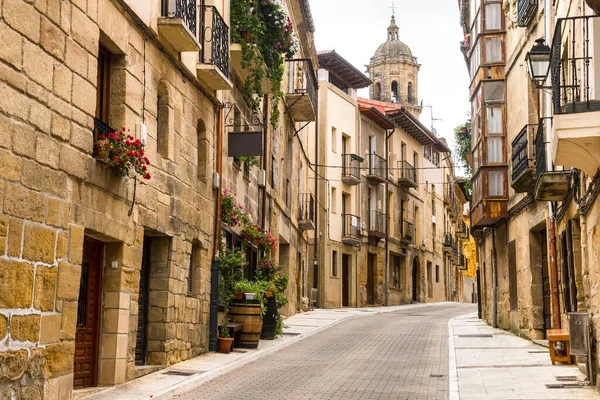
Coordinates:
(493, 91)
(496, 183)
(492, 16)
(476, 159)
(494, 120)
(493, 50)
(475, 132)
(494, 151)
(475, 60)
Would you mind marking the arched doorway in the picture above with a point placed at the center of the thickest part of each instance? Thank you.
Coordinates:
(415, 279)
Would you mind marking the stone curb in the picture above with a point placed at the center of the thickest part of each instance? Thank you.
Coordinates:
(197, 381)
(453, 391)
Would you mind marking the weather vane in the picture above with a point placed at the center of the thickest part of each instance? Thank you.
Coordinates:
(393, 7)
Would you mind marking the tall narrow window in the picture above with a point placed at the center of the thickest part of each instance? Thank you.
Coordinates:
(410, 92)
(191, 274)
(377, 91)
(102, 117)
(433, 195)
(334, 270)
(333, 200)
(437, 273)
(493, 17)
(333, 139)
(496, 183)
(395, 96)
(493, 50)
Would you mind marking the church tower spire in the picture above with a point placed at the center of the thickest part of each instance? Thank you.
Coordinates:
(393, 30)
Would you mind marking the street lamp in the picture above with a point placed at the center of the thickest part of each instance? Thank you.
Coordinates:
(538, 62)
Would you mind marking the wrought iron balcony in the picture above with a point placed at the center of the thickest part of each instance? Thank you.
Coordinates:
(301, 95)
(377, 169)
(213, 66)
(351, 230)
(461, 229)
(551, 185)
(377, 224)
(407, 232)
(306, 212)
(576, 99)
(526, 10)
(408, 175)
(351, 169)
(523, 160)
(448, 243)
(448, 194)
(177, 24)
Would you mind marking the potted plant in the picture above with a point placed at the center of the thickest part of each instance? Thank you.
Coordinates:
(123, 153)
(225, 339)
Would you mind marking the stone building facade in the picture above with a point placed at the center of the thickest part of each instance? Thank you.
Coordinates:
(103, 280)
(537, 263)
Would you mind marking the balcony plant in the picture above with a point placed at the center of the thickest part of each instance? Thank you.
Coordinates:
(231, 267)
(233, 213)
(265, 24)
(123, 153)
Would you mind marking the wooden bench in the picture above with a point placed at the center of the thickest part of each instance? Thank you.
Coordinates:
(235, 331)
(555, 336)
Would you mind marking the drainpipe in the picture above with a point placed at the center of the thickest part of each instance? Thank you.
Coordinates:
(214, 267)
(317, 203)
(494, 281)
(548, 141)
(265, 161)
(387, 216)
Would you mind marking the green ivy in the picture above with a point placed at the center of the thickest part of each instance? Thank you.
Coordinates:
(462, 137)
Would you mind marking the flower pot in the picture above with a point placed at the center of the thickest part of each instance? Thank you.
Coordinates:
(225, 345)
(238, 295)
(250, 296)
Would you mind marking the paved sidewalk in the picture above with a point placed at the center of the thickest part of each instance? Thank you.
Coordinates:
(488, 363)
(163, 385)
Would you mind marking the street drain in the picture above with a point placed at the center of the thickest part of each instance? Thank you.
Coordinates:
(476, 335)
(566, 378)
(437, 375)
(182, 373)
(563, 385)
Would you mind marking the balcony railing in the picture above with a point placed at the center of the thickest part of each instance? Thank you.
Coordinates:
(301, 94)
(306, 211)
(448, 242)
(448, 193)
(181, 9)
(526, 11)
(377, 169)
(377, 224)
(351, 229)
(351, 169)
(215, 40)
(540, 150)
(407, 232)
(573, 70)
(408, 174)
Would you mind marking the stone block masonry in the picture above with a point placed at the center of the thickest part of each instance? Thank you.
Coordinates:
(56, 199)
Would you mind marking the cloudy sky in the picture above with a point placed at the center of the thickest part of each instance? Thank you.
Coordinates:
(355, 28)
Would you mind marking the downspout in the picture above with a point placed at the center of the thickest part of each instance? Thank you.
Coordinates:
(387, 215)
(494, 281)
(317, 236)
(552, 222)
(265, 162)
(214, 268)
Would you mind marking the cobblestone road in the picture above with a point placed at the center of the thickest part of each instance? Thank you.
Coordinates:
(401, 355)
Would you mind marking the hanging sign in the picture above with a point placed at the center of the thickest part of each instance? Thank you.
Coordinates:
(245, 144)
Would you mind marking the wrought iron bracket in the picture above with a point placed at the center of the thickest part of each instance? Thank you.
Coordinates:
(230, 122)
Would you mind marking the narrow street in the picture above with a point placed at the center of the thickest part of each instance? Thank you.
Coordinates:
(400, 355)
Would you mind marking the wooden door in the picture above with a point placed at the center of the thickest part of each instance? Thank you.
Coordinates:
(546, 283)
(88, 316)
(142, 328)
(370, 280)
(415, 280)
(345, 280)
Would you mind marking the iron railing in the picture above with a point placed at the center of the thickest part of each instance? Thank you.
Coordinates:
(540, 150)
(376, 222)
(572, 66)
(351, 166)
(351, 227)
(182, 9)
(448, 240)
(307, 207)
(303, 79)
(522, 151)
(407, 231)
(377, 166)
(449, 193)
(526, 10)
(215, 40)
(407, 171)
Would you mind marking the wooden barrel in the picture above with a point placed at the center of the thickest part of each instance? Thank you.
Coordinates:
(270, 320)
(248, 313)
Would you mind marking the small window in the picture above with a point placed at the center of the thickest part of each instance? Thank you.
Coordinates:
(333, 200)
(395, 95)
(493, 50)
(333, 139)
(334, 271)
(493, 91)
(493, 17)
(437, 273)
